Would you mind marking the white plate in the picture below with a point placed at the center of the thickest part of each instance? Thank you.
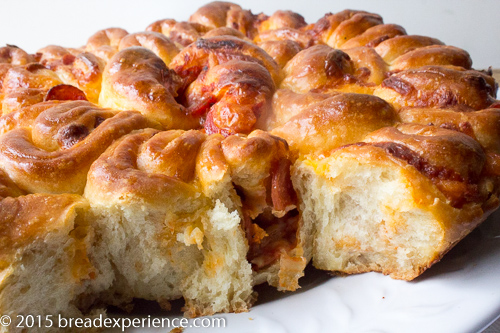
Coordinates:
(459, 294)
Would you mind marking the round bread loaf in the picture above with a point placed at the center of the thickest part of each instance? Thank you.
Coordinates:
(232, 149)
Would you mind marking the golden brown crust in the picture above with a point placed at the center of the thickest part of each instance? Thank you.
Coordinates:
(17, 99)
(80, 69)
(225, 31)
(284, 34)
(230, 97)
(368, 65)
(147, 163)
(192, 60)
(441, 147)
(33, 75)
(321, 68)
(25, 85)
(11, 54)
(324, 28)
(181, 33)
(29, 218)
(328, 124)
(282, 51)
(136, 79)
(452, 160)
(24, 117)
(153, 41)
(483, 125)
(104, 43)
(432, 55)
(4, 68)
(280, 19)
(60, 140)
(211, 166)
(317, 67)
(213, 14)
(375, 35)
(438, 86)
(160, 154)
(8, 188)
(287, 104)
(123, 170)
(395, 47)
(348, 24)
(225, 14)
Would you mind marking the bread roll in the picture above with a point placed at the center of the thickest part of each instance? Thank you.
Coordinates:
(225, 14)
(280, 19)
(392, 48)
(24, 85)
(80, 69)
(47, 259)
(49, 147)
(432, 55)
(336, 29)
(438, 86)
(281, 50)
(181, 33)
(227, 83)
(167, 208)
(321, 68)
(104, 43)
(190, 62)
(11, 54)
(153, 41)
(334, 121)
(396, 202)
(382, 151)
(137, 79)
(373, 36)
(8, 188)
(482, 125)
(369, 66)
(230, 97)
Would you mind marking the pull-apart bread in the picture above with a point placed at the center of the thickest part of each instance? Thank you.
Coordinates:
(200, 158)
(47, 256)
(183, 213)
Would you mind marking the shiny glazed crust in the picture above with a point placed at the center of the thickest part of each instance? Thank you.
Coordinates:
(60, 140)
(199, 158)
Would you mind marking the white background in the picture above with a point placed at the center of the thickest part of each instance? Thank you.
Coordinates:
(32, 24)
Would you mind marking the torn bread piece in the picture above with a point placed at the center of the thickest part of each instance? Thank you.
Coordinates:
(395, 203)
(177, 213)
(47, 262)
